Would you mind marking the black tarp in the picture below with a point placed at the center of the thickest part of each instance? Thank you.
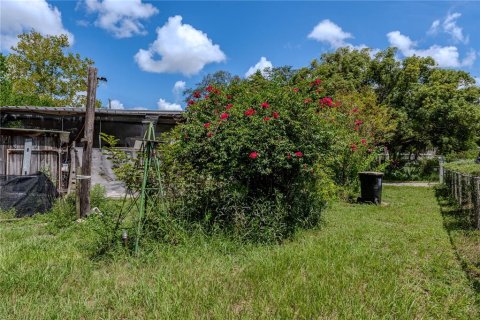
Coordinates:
(27, 194)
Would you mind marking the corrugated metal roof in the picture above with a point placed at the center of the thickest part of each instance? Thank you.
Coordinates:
(12, 130)
(70, 110)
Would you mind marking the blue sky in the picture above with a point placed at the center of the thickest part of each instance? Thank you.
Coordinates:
(151, 50)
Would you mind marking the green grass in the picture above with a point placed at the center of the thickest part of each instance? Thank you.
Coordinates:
(465, 239)
(366, 262)
(464, 166)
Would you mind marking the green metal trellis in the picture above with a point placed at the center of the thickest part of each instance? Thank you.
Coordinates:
(149, 194)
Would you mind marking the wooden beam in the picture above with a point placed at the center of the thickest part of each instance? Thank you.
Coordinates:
(86, 181)
(27, 156)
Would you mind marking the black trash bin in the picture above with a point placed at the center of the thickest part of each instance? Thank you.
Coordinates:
(371, 187)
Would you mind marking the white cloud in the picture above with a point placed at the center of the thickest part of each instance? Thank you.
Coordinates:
(116, 104)
(178, 88)
(17, 17)
(402, 42)
(181, 48)
(450, 27)
(329, 32)
(261, 65)
(445, 56)
(167, 106)
(121, 17)
(477, 81)
(434, 27)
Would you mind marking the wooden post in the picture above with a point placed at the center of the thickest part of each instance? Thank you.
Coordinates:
(476, 208)
(441, 161)
(86, 181)
(27, 156)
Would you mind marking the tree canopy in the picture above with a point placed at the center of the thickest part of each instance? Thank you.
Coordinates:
(433, 107)
(40, 72)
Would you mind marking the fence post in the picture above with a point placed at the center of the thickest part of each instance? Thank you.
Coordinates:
(476, 206)
(469, 191)
(441, 161)
(455, 189)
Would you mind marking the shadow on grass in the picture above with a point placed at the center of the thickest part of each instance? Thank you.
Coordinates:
(459, 227)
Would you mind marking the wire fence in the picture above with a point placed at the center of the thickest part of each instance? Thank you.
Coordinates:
(465, 189)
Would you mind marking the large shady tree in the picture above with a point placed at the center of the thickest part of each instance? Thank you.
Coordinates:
(39, 71)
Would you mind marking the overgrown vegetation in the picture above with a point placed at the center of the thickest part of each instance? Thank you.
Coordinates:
(465, 166)
(411, 170)
(260, 157)
(365, 262)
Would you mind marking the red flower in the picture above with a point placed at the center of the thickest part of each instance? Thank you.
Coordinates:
(353, 147)
(207, 125)
(209, 134)
(250, 112)
(224, 116)
(209, 88)
(356, 128)
(207, 96)
(308, 100)
(253, 155)
(289, 156)
(355, 110)
(358, 122)
(266, 118)
(197, 94)
(364, 141)
(295, 89)
(191, 102)
(299, 154)
(316, 82)
(229, 97)
(229, 106)
(327, 101)
(275, 115)
(265, 105)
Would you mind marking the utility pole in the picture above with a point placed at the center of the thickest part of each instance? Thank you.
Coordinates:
(85, 180)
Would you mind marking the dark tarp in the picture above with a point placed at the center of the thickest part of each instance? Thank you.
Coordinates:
(27, 194)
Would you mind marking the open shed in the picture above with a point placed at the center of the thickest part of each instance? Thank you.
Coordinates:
(30, 151)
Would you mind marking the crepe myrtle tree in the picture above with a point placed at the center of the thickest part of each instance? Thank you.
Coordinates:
(256, 155)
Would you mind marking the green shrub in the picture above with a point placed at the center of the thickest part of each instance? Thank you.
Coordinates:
(256, 157)
(63, 212)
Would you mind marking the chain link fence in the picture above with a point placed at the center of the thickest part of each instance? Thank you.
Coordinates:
(465, 189)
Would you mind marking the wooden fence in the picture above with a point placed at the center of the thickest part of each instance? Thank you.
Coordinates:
(465, 189)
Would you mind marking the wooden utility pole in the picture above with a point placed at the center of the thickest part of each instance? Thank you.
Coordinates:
(85, 180)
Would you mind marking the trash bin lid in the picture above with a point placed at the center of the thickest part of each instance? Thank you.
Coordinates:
(371, 173)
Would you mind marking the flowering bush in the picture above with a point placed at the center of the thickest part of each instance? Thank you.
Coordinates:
(257, 156)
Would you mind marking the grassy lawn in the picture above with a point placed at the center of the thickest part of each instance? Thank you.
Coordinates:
(465, 239)
(391, 262)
